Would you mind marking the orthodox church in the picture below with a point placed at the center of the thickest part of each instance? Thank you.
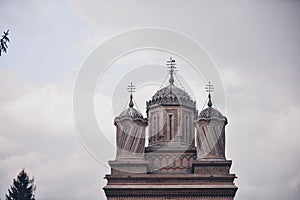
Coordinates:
(185, 155)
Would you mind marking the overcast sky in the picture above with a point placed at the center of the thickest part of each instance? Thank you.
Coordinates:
(255, 46)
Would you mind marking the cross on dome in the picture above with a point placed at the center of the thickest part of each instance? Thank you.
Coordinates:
(131, 88)
(209, 88)
(172, 68)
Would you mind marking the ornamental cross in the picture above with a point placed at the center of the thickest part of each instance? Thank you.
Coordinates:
(131, 89)
(172, 68)
(209, 88)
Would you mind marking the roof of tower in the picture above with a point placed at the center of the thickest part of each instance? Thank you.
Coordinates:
(171, 94)
(171, 91)
(210, 112)
(131, 113)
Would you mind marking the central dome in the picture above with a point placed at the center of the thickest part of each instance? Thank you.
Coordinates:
(171, 91)
(171, 95)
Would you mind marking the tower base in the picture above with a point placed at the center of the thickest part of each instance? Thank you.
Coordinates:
(170, 186)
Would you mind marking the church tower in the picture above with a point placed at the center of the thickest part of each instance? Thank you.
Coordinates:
(185, 157)
(130, 139)
(171, 113)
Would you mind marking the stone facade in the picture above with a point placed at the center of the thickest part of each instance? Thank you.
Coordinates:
(175, 165)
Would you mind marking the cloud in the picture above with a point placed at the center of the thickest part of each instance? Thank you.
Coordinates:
(262, 134)
(254, 44)
(27, 106)
(37, 133)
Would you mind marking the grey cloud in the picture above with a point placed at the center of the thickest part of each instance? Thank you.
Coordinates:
(255, 45)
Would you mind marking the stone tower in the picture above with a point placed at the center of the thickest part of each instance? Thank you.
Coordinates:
(185, 157)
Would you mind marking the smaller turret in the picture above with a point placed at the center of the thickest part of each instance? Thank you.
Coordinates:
(130, 132)
(210, 126)
(130, 139)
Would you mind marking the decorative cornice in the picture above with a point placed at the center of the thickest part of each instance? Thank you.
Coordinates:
(171, 192)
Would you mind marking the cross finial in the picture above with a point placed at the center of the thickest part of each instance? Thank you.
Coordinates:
(172, 68)
(209, 88)
(131, 89)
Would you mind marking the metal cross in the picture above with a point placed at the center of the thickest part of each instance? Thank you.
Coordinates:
(131, 88)
(172, 67)
(209, 88)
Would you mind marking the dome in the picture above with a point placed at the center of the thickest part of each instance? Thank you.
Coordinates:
(171, 95)
(130, 113)
(171, 91)
(209, 113)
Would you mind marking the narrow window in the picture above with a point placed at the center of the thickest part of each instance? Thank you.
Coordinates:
(186, 128)
(170, 127)
(153, 130)
(157, 126)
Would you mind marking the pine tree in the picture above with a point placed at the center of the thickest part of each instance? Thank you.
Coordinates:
(22, 189)
(3, 42)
